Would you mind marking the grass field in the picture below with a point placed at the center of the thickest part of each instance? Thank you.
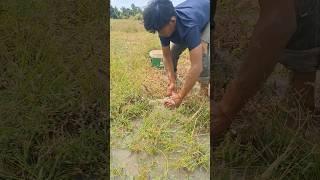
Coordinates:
(147, 140)
(265, 148)
(52, 96)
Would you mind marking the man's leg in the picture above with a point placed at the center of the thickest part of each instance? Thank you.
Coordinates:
(204, 78)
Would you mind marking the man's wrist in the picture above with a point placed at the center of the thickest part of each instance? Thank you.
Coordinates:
(173, 81)
(181, 94)
(171, 78)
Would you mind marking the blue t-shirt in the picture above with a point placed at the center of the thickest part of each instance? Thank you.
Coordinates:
(192, 17)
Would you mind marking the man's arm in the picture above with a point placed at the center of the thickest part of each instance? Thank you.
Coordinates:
(194, 71)
(168, 63)
(191, 77)
(276, 24)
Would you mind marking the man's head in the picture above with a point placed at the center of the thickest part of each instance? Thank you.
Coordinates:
(160, 16)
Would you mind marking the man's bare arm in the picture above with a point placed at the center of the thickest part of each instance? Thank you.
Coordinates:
(194, 71)
(168, 63)
(276, 24)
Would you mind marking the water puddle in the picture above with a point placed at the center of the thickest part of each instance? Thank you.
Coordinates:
(133, 164)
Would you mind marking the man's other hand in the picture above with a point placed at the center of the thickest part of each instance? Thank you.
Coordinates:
(173, 101)
(220, 123)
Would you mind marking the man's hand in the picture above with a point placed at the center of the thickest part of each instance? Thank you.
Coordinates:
(173, 101)
(220, 123)
(171, 88)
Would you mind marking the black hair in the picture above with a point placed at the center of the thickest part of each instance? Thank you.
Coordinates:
(157, 14)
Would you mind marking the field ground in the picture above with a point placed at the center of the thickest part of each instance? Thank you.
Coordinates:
(264, 147)
(147, 140)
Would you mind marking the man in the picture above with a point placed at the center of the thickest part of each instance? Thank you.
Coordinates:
(187, 26)
(285, 24)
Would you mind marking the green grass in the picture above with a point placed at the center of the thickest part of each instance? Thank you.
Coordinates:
(53, 105)
(145, 128)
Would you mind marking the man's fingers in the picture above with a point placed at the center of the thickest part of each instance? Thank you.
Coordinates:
(170, 106)
(168, 102)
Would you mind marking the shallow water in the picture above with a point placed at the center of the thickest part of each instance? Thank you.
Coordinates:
(132, 163)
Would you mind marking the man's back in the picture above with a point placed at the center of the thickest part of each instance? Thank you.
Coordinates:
(194, 13)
